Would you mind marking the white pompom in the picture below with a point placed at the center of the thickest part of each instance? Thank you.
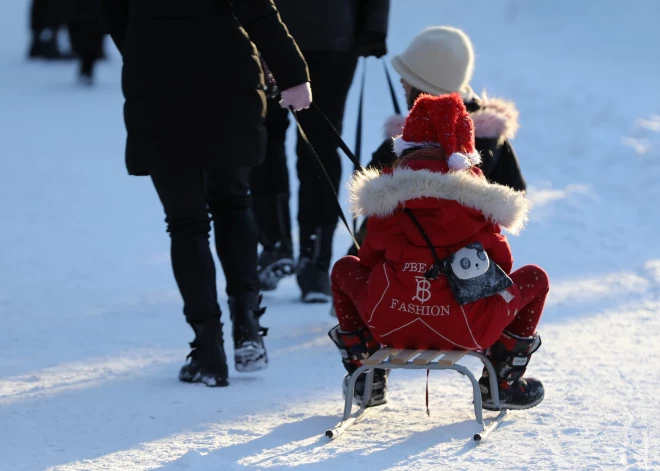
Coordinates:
(474, 158)
(458, 161)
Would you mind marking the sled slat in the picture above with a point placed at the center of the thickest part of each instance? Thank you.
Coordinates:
(380, 356)
(426, 357)
(452, 357)
(403, 356)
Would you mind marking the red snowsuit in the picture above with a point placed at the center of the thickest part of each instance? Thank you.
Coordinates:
(386, 286)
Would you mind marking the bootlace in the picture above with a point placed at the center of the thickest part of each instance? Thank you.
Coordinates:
(193, 353)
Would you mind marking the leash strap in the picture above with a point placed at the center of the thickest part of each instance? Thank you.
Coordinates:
(341, 211)
(395, 102)
(358, 131)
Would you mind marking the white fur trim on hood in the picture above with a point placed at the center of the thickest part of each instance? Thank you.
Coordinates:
(374, 194)
(496, 118)
(394, 126)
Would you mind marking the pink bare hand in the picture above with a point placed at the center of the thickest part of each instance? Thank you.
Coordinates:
(298, 97)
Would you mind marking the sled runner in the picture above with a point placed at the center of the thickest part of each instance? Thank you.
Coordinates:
(388, 358)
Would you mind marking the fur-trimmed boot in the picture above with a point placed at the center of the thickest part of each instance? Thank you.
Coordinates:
(354, 347)
(249, 349)
(207, 362)
(510, 356)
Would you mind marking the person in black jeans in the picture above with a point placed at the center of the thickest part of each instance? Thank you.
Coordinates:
(194, 112)
(86, 36)
(46, 16)
(331, 35)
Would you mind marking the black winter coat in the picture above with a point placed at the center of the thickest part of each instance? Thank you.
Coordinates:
(192, 80)
(334, 25)
(495, 122)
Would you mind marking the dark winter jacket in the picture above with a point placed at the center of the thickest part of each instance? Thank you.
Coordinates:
(192, 80)
(495, 122)
(335, 25)
(83, 10)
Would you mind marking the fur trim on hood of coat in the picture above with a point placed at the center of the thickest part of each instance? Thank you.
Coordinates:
(372, 193)
(496, 118)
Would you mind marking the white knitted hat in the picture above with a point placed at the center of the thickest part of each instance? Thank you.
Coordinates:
(439, 60)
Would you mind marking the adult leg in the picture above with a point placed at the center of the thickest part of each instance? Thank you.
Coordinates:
(87, 40)
(236, 240)
(331, 74)
(44, 22)
(510, 355)
(270, 189)
(183, 197)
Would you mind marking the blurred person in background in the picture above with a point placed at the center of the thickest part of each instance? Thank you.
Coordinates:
(46, 16)
(86, 36)
(194, 113)
(332, 34)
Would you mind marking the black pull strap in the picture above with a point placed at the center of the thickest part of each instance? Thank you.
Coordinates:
(395, 102)
(435, 270)
(358, 131)
(340, 142)
(306, 140)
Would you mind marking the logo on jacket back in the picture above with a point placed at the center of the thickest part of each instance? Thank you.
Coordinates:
(423, 290)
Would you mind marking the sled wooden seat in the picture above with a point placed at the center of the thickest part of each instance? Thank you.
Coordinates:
(421, 357)
(388, 358)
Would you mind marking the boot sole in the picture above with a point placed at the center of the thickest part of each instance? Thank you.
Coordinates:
(249, 360)
(210, 381)
(503, 405)
(316, 298)
(269, 279)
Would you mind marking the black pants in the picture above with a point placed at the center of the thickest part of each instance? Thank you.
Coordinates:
(46, 14)
(331, 77)
(187, 197)
(87, 43)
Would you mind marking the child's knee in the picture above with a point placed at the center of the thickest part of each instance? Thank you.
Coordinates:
(541, 277)
(342, 267)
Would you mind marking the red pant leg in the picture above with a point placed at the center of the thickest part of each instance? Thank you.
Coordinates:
(530, 288)
(349, 291)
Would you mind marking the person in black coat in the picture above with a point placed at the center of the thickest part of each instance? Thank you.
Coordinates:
(332, 34)
(194, 112)
(86, 36)
(46, 17)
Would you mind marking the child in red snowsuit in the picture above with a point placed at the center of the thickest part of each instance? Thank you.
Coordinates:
(383, 296)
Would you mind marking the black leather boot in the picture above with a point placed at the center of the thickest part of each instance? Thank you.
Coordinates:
(276, 259)
(249, 349)
(207, 362)
(354, 347)
(313, 272)
(510, 356)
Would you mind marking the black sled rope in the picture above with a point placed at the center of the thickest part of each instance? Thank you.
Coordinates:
(353, 157)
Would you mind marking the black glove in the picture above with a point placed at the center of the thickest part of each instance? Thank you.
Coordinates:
(369, 43)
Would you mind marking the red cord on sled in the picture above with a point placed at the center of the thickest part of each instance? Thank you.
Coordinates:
(428, 411)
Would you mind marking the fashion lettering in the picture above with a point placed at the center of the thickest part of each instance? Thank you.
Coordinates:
(415, 267)
(420, 310)
(423, 290)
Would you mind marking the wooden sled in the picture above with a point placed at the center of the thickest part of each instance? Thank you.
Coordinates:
(388, 358)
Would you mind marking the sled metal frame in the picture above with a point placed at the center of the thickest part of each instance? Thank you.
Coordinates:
(420, 360)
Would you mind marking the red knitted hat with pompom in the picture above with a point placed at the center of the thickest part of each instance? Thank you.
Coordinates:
(440, 121)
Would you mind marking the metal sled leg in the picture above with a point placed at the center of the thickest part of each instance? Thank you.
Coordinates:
(419, 360)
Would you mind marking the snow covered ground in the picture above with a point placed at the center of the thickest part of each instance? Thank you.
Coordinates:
(92, 335)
